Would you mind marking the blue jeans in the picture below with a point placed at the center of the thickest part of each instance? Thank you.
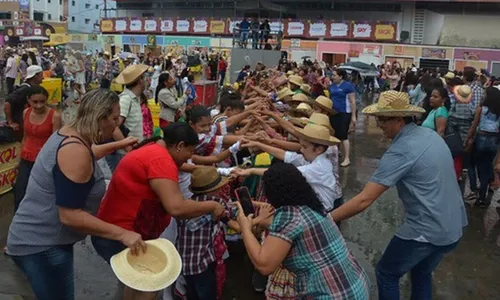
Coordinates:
(485, 150)
(107, 248)
(202, 286)
(403, 256)
(50, 272)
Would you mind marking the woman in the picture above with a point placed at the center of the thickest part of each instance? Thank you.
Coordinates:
(23, 65)
(39, 122)
(144, 192)
(483, 136)
(343, 96)
(156, 74)
(65, 191)
(324, 269)
(166, 94)
(80, 71)
(438, 116)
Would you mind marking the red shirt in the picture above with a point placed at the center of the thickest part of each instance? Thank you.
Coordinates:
(222, 65)
(130, 202)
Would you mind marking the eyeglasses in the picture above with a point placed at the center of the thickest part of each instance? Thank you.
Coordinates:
(383, 120)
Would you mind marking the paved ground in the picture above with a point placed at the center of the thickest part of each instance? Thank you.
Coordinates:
(470, 272)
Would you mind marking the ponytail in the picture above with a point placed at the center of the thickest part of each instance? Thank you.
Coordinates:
(161, 85)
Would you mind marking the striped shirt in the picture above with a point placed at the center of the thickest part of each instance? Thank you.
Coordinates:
(130, 109)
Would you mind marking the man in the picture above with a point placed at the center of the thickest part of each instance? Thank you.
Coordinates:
(10, 70)
(420, 165)
(244, 27)
(130, 108)
(222, 70)
(17, 101)
(255, 26)
(265, 31)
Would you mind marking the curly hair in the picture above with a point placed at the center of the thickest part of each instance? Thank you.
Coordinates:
(284, 185)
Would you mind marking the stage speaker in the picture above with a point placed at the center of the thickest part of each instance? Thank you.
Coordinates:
(404, 35)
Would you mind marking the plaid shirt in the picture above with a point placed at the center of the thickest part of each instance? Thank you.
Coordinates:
(461, 115)
(196, 236)
(319, 257)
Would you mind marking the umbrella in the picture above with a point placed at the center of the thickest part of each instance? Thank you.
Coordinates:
(126, 55)
(359, 65)
(305, 57)
(362, 68)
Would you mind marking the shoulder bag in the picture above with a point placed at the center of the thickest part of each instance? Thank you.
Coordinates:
(452, 139)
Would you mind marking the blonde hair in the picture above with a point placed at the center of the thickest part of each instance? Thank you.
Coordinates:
(95, 106)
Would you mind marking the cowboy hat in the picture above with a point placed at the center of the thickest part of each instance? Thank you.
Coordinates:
(449, 75)
(290, 73)
(295, 79)
(306, 89)
(322, 65)
(279, 81)
(393, 104)
(107, 53)
(206, 179)
(325, 104)
(152, 271)
(299, 98)
(131, 74)
(32, 71)
(317, 134)
(462, 93)
(299, 122)
(283, 93)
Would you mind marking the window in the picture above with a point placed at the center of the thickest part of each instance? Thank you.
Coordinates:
(87, 5)
(148, 15)
(87, 21)
(72, 19)
(38, 16)
(97, 6)
(72, 3)
(49, 17)
(48, 1)
(60, 2)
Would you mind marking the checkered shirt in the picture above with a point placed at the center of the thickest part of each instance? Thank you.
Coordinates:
(319, 257)
(461, 116)
(196, 236)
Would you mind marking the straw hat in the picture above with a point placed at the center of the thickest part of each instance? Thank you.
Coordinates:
(303, 109)
(306, 89)
(295, 79)
(393, 104)
(299, 122)
(131, 74)
(279, 81)
(152, 271)
(463, 93)
(449, 75)
(322, 65)
(283, 93)
(206, 179)
(317, 134)
(107, 53)
(290, 73)
(325, 104)
(323, 120)
(299, 98)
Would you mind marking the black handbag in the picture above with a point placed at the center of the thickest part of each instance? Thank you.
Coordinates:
(452, 139)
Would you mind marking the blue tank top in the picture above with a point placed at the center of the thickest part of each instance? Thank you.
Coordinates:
(489, 121)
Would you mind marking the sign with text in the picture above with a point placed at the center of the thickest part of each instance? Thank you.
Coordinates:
(107, 25)
(294, 28)
(167, 26)
(316, 29)
(385, 32)
(434, 53)
(151, 25)
(10, 154)
(217, 27)
(339, 30)
(182, 26)
(121, 25)
(135, 25)
(362, 30)
(200, 26)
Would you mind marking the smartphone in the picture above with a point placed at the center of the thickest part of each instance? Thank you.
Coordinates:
(243, 196)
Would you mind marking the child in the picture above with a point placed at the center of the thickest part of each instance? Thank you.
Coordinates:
(201, 240)
(147, 119)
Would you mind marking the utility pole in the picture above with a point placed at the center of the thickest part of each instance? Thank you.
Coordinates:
(105, 8)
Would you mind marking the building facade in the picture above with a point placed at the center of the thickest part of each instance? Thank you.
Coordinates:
(84, 15)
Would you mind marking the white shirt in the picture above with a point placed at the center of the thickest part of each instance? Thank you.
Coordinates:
(11, 68)
(319, 174)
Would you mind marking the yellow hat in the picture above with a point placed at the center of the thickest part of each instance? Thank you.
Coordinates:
(325, 104)
(317, 134)
(306, 89)
(300, 98)
(323, 120)
(295, 79)
(303, 109)
(131, 74)
(152, 271)
(393, 104)
(462, 93)
(284, 92)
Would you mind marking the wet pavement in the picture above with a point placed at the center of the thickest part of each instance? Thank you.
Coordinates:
(469, 272)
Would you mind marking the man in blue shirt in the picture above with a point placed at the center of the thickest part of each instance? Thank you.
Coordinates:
(420, 165)
(244, 27)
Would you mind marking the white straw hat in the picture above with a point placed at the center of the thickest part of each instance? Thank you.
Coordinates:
(152, 271)
(131, 74)
(393, 104)
(317, 134)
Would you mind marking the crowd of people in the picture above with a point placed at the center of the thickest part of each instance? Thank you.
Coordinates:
(282, 133)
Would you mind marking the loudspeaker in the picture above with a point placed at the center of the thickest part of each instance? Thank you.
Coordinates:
(404, 35)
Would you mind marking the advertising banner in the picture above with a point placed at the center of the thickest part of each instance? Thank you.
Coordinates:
(217, 27)
(434, 53)
(121, 25)
(136, 25)
(151, 25)
(294, 28)
(362, 30)
(107, 25)
(200, 26)
(339, 30)
(316, 29)
(167, 26)
(182, 26)
(385, 31)
(10, 154)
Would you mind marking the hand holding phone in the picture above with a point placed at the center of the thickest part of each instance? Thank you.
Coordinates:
(243, 196)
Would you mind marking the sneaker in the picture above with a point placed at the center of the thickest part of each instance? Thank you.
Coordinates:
(472, 196)
(259, 282)
(481, 203)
